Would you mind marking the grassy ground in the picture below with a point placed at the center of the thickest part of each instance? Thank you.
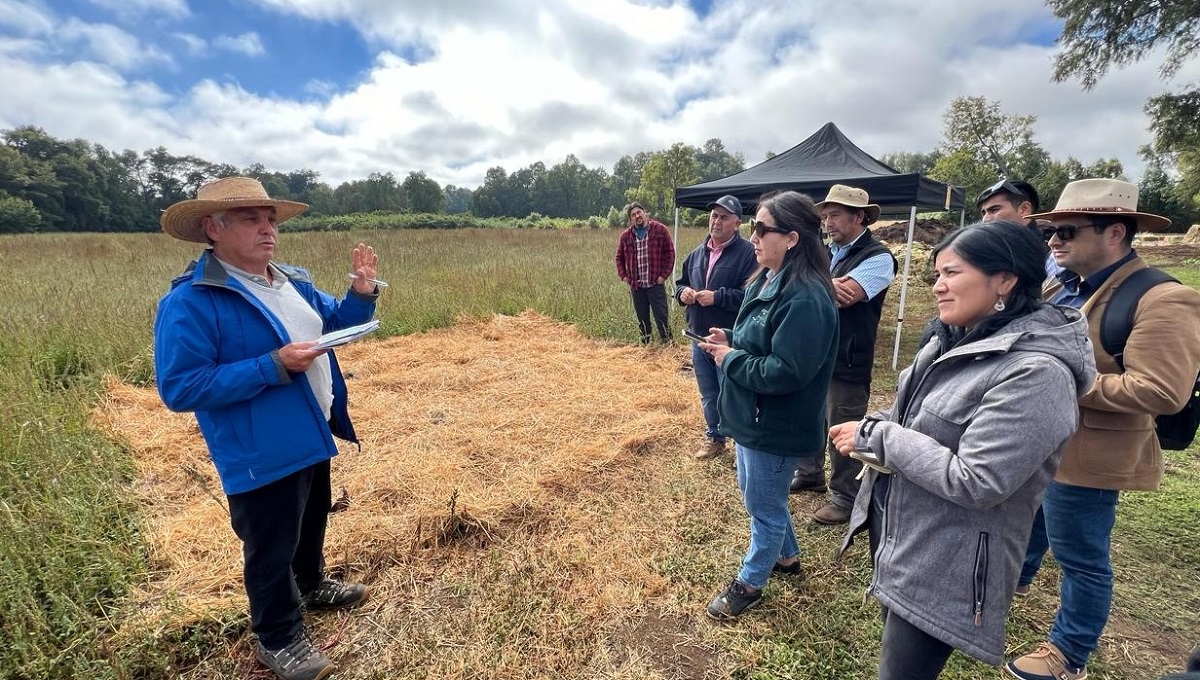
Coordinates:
(79, 307)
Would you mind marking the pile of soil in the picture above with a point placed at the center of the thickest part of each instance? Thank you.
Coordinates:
(929, 232)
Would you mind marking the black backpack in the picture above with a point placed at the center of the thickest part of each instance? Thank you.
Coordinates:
(1176, 431)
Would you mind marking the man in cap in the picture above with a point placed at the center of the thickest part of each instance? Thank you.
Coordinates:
(862, 269)
(711, 286)
(234, 342)
(1115, 448)
(645, 258)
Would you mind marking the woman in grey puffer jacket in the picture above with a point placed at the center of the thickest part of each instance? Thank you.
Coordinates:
(957, 467)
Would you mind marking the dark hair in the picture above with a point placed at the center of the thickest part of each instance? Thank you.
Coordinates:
(1005, 187)
(1031, 195)
(1004, 246)
(1106, 221)
(629, 208)
(809, 259)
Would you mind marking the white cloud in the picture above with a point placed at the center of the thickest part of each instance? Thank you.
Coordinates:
(25, 18)
(248, 44)
(130, 10)
(193, 44)
(510, 83)
(109, 45)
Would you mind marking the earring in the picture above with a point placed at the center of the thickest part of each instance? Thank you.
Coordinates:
(999, 306)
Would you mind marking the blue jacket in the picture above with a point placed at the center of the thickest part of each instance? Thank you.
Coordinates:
(778, 372)
(216, 352)
(727, 281)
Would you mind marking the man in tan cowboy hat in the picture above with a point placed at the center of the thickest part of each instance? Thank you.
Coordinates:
(862, 269)
(1115, 448)
(234, 343)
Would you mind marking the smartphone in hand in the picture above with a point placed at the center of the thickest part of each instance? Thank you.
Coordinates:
(689, 333)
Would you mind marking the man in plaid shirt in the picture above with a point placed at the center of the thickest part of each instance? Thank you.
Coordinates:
(645, 259)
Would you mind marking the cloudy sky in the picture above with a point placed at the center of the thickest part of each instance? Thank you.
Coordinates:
(453, 87)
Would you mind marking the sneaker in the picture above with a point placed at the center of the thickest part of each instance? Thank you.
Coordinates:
(792, 569)
(736, 599)
(331, 594)
(711, 449)
(299, 660)
(1045, 663)
(800, 485)
(831, 514)
(1022, 590)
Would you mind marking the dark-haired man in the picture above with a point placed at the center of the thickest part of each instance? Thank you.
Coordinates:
(645, 258)
(1091, 234)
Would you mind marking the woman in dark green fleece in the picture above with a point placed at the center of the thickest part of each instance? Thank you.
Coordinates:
(777, 361)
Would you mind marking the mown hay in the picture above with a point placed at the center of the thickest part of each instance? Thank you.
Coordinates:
(510, 468)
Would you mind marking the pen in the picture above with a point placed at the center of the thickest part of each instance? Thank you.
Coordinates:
(377, 282)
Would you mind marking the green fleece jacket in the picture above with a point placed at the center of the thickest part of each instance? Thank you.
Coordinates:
(777, 374)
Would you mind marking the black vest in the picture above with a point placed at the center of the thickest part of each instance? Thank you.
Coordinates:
(859, 323)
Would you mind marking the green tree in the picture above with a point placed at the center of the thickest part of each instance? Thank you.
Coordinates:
(663, 173)
(715, 162)
(1098, 36)
(421, 194)
(1158, 193)
(906, 162)
(18, 215)
(458, 199)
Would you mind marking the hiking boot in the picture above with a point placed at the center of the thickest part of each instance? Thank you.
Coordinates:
(711, 449)
(792, 569)
(1022, 590)
(831, 514)
(736, 599)
(1045, 663)
(299, 660)
(800, 485)
(331, 594)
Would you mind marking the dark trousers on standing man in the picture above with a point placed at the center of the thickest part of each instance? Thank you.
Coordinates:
(847, 401)
(647, 300)
(282, 528)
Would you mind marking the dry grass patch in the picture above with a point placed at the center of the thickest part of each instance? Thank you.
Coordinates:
(507, 509)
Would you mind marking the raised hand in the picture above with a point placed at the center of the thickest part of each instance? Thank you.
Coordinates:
(363, 263)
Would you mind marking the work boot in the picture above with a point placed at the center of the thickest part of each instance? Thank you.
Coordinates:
(736, 599)
(299, 660)
(800, 485)
(1045, 663)
(711, 449)
(331, 594)
(831, 514)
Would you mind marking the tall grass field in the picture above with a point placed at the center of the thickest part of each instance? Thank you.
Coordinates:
(78, 309)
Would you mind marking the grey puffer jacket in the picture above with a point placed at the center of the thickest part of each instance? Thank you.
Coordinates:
(973, 439)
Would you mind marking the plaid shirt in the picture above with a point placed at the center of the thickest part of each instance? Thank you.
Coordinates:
(660, 255)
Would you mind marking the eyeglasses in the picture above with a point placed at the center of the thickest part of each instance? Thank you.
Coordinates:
(1003, 185)
(1067, 232)
(759, 229)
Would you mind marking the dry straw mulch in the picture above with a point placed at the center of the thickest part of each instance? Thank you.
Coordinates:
(508, 507)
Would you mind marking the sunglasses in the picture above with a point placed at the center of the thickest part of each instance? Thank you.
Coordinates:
(1067, 232)
(759, 229)
(1003, 185)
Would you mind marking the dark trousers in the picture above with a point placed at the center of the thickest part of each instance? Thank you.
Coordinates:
(282, 528)
(846, 401)
(908, 652)
(646, 300)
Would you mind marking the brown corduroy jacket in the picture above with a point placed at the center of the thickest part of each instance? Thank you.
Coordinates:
(1115, 446)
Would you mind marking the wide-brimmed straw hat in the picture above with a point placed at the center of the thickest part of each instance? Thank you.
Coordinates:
(1104, 197)
(852, 197)
(183, 220)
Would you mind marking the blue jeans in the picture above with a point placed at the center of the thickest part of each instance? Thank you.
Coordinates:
(708, 379)
(1036, 550)
(764, 479)
(1079, 524)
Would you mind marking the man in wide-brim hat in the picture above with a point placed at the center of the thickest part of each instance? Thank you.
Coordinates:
(1090, 234)
(234, 342)
(862, 269)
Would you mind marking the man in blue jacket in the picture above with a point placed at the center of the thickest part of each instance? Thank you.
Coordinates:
(711, 285)
(234, 342)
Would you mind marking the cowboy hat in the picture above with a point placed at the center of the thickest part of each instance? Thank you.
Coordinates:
(184, 219)
(851, 197)
(1104, 197)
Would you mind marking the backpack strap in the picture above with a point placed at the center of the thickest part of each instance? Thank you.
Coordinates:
(1117, 321)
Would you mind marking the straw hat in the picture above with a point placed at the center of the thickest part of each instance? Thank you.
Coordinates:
(852, 198)
(183, 220)
(1104, 197)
